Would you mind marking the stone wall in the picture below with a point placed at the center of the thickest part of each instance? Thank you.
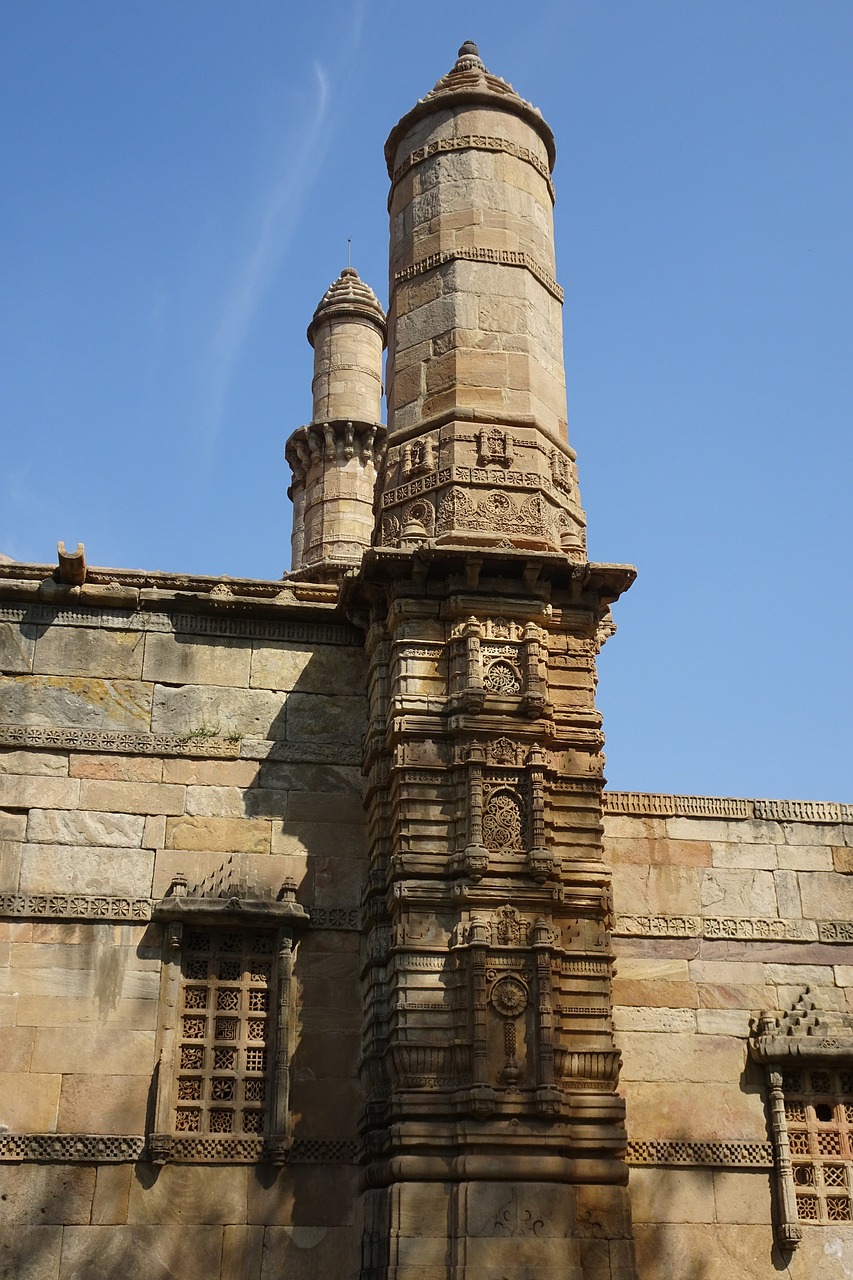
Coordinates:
(135, 745)
(723, 909)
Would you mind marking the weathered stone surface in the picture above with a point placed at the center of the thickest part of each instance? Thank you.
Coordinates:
(132, 797)
(236, 802)
(10, 865)
(86, 870)
(754, 857)
(724, 1022)
(75, 702)
(116, 768)
(666, 891)
(89, 651)
(103, 1051)
(30, 1253)
(314, 717)
(242, 1251)
(304, 1252)
(193, 1195)
(24, 791)
(29, 1103)
(310, 670)
(212, 773)
(17, 646)
(69, 826)
(17, 1049)
(825, 896)
(196, 709)
(112, 1189)
(170, 1252)
(325, 1196)
(680, 1111)
(672, 1195)
(805, 857)
(52, 763)
(48, 1195)
(13, 826)
(650, 969)
(654, 1020)
(684, 853)
(679, 1056)
(118, 1101)
(172, 659)
(742, 1195)
(657, 994)
(739, 893)
(227, 835)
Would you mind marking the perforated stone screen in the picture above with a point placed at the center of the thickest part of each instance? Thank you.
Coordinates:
(819, 1117)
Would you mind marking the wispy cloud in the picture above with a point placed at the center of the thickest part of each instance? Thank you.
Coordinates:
(280, 211)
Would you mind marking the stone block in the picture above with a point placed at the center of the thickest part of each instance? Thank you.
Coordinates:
(308, 669)
(17, 646)
(722, 996)
(46, 868)
(172, 659)
(626, 827)
(743, 1195)
(654, 1019)
(116, 768)
(650, 969)
(672, 1195)
(170, 1252)
(739, 893)
(754, 857)
(212, 773)
(50, 1195)
(680, 1110)
(310, 777)
(13, 826)
(806, 857)
(89, 651)
(734, 972)
(103, 1103)
(724, 1022)
(75, 702)
(326, 806)
(826, 896)
(102, 1051)
(680, 1056)
(10, 865)
(723, 1252)
(29, 1103)
(800, 975)
(25, 791)
(242, 1251)
(253, 713)
(30, 1253)
(813, 833)
(788, 895)
(76, 826)
(305, 1252)
(322, 1195)
(132, 797)
(314, 717)
(194, 1195)
(17, 1049)
(666, 891)
(154, 831)
(71, 1011)
(52, 763)
(112, 1189)
(227, 835)
(842, 861)
(684, 853)
(657, 994)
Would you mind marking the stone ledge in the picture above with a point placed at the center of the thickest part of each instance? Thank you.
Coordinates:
(643, 804)
(97, 1148)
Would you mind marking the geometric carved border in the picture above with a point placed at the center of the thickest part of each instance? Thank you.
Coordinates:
(73, 906)
(107, 1148)
(716, 1155)
(335, 917)
(736, 928)
(645, 804)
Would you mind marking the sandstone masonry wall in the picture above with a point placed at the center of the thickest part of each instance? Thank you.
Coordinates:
(718, 918)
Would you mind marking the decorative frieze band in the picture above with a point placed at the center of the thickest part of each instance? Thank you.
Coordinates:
(213, 624)
(73, 906)
(499, 257)
(647, 805)
(714, 1155)
(493, 478)
(738, 928)
(476, 142)
(198, 746)
(100, 1148)
(335, 917)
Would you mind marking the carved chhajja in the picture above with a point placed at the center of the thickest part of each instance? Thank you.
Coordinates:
(227, 1018)
(807, 1054)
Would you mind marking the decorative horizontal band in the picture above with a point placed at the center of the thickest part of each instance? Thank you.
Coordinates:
(743, 928)
(715, 1155)
(475, 142)
(202, 624)
(648, 805)
(99, 1148)
(74, 906)
(198, 746)
(497, 257)
(335, 917)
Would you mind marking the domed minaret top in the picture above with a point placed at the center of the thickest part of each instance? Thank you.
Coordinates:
(348, 297)
(468, 81)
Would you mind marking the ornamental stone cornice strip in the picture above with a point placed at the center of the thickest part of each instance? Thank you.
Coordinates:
(203, 624)
(648, 805)
(160, 744)
(100, 1148)
(735, 928)
(714, 1155)
(474, 142)
(498, 257)
(74, 906)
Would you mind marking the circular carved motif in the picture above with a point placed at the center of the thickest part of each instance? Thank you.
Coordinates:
(509, 997)
(501, 677)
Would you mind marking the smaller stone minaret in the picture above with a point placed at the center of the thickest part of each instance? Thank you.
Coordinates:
(335, 458)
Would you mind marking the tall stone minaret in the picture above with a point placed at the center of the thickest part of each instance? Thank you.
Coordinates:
(334, 459)
(493, 1133)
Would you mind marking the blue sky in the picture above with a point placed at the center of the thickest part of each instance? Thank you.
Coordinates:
(180, 182)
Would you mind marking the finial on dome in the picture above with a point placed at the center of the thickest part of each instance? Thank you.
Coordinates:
(468, 58)
(468, 48)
